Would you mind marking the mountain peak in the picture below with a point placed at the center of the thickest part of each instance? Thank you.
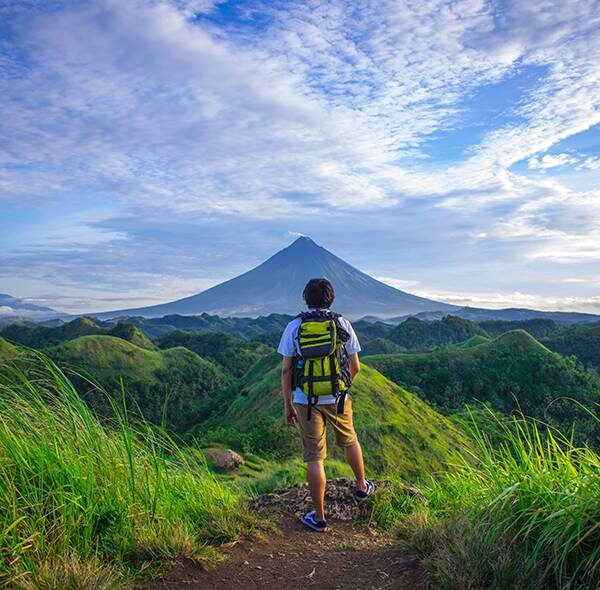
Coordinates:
(276, 285)
(302, 241)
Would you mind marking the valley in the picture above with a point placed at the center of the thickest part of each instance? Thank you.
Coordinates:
(437, 403)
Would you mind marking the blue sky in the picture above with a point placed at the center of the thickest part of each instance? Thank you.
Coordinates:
(150, 149)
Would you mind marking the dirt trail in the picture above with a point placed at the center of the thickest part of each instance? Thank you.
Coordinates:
(351, 555)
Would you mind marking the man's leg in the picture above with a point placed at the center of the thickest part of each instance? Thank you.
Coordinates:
(354, 458)
(314, 442)
(345, 436)
(315, 474)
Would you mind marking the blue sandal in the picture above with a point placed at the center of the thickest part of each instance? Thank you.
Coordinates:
(310, 521)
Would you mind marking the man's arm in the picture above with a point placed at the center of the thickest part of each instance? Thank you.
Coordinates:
(291, 418)
(353, 365)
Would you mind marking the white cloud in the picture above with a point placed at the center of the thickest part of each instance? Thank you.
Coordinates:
(322, 109)
(493, 300)
(551, 161)
(401, 284)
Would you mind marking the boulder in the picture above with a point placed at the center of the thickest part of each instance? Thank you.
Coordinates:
(226, 460)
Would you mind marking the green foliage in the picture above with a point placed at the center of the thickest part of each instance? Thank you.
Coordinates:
(267, 436)
(270, 339)
(381, 346)
(538, 327)
(513, 372)
(40, 336)
(522, 514)
(247, 328)
(415, 334)
(581, 340)
(82, 505)
(235, 355)
(399, 432)
(175, 384)
(368, 331)
(7, 350)
(132, 334)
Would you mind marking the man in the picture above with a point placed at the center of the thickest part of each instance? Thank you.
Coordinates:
(319, 295)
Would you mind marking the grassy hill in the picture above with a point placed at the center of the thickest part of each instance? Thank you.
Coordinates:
(150, 377)
(7, 350)
(380, 346)
(132, 334)
(400, 433)
(582, 340)
(416, 334)
(243, 327)
(41, 336)
(537, 327)
(510, 372)
(234, 354)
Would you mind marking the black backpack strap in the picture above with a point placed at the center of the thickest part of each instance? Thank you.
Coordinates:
(312, 398)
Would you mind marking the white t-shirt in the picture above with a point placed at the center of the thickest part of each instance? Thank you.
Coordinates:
(288, 346)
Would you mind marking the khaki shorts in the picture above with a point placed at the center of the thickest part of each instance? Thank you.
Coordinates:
(314, 440)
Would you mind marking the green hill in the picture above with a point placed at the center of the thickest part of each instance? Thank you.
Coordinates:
(400, 433)
(234, 354)
(473, 341)
(39, 336)
(537, 327)
(381, 346)
(132, 334)
(510, 372)
(243, 327)
(582, 340)
(150, 377)
(7, 350)
(416, 334)
(368, 331)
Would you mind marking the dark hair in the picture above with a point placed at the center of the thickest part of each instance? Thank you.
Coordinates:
(318, 293)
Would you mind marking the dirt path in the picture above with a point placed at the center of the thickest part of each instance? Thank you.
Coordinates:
(351, 555)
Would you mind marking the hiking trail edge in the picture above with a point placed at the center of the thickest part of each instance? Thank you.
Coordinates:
(353, 554)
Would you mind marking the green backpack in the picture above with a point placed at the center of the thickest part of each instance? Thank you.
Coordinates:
(322, 366)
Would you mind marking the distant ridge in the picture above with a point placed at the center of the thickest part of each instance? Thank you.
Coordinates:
(19, 309)
(478, 314)
(276, 285)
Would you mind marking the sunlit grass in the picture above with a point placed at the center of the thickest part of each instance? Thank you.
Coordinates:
(524, 513)
(86, 505)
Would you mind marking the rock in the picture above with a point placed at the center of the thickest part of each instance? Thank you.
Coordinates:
(414, 492)
(340, 502)
(226, 460)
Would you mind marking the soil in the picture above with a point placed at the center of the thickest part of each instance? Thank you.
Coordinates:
(350, 555)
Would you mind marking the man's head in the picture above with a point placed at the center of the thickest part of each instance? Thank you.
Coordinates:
(318, 294)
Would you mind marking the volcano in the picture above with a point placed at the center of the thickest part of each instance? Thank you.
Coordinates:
(276, 286)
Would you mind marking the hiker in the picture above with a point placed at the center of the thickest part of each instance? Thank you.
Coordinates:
(320, 361)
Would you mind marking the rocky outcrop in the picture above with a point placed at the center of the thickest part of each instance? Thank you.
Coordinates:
(340, 501)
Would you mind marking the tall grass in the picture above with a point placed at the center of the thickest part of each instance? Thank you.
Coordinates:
(83, 505)
(523, 514)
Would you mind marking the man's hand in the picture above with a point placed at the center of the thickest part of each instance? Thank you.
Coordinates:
(290, 415)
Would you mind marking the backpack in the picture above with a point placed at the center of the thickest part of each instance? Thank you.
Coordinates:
(322, 366)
